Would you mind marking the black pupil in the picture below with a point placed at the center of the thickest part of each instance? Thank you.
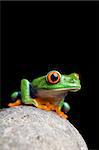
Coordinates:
(54, 77)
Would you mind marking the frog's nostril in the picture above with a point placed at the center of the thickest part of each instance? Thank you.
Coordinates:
(72, 81)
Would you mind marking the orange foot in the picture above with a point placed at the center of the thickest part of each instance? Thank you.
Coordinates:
(17, 103)
(49, 106)
(60, 113)
(42, 105)
(45, 107)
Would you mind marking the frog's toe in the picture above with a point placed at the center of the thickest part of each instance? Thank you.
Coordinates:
(17, 103)
(34, 102)
(61, 114)
(44, 107)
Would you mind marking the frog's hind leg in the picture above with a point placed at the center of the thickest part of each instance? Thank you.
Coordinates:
(16, 98)
(58, 110)
(66, 107)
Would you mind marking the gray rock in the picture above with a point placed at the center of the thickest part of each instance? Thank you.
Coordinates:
(27, 127)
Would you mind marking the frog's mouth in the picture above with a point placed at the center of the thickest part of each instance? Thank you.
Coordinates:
(66, 89)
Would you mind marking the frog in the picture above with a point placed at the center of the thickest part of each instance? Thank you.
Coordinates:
(47, 92)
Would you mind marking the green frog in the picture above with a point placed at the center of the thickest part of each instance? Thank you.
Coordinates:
(48, 92)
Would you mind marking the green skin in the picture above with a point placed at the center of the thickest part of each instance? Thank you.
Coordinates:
(45, 90)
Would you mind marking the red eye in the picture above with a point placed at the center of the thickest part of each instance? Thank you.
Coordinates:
(53, 77)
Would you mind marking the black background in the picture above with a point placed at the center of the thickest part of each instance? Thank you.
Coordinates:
(40, 36)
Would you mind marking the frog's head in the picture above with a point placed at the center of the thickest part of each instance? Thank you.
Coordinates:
(56, 81)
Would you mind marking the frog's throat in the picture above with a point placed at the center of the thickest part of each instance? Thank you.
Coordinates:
(54, 93)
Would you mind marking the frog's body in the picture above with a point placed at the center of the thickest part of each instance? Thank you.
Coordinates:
(48, 92)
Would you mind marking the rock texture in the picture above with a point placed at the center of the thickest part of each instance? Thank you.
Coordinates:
(26, 127)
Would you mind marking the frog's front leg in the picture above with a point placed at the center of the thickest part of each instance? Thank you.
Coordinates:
(25, 93)
(66, 108)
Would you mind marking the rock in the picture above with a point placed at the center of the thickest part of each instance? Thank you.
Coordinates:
(27, 127)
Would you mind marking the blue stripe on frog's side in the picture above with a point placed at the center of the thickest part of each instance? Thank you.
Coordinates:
(33, 92)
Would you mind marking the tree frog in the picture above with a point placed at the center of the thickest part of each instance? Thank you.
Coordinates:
(48, 92)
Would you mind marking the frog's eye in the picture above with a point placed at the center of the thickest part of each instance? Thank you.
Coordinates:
(53, 77)
(77, 75)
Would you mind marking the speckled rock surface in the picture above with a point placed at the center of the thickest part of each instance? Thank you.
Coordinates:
(26, 127)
